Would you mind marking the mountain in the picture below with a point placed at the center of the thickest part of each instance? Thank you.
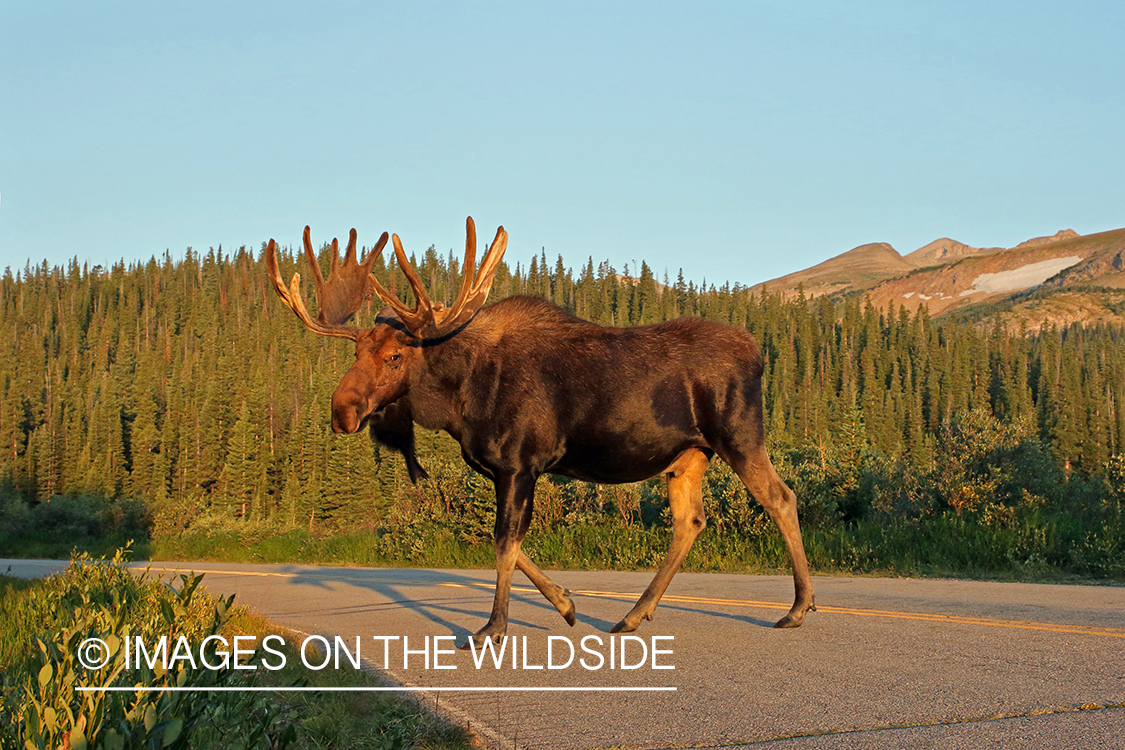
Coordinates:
(859, 268)
(945, 250)
(1063, 278)
(1105, 266)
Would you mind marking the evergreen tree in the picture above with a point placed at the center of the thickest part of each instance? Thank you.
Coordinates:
(173, 381)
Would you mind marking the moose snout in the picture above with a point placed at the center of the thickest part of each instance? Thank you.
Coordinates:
(347, 411)
(346, 423)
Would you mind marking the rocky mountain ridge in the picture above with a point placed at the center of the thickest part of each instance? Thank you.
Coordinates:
(947, 276)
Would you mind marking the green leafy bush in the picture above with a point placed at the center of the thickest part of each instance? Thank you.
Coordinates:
(58, 525)
(51, 700)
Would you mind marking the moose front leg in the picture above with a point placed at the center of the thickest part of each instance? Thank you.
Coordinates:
(555, 593)
(513, 516)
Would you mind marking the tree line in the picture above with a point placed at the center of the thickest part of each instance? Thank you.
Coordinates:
(184, 384)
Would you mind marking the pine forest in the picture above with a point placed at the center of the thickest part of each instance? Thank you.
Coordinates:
(179, 397)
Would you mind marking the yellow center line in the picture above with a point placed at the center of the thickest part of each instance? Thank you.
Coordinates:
(224, 572)
(924, 616)
(682, 599)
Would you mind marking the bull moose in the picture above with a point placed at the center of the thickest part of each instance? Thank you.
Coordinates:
(529, 389)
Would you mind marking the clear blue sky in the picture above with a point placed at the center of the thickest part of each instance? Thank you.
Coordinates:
(739, 141)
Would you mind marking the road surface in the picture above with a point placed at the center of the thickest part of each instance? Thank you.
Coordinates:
(887, 663)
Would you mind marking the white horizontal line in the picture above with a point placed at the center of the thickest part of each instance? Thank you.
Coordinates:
(307, 689)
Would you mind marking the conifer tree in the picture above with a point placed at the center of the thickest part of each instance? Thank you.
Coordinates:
(172, 380)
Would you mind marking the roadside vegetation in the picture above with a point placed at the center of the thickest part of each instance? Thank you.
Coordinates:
(46, 623)
(990, 503)
(177, 404)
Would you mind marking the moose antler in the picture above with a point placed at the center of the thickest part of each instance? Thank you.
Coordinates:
(339, 297)
(429, 319)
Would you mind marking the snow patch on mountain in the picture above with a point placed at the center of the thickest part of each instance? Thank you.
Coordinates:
(1024, 277)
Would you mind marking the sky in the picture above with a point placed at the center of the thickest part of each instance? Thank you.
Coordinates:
(737, 141)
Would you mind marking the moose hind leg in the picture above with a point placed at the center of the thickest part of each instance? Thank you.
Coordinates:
(555, 593)
(757, 473)
(513, 516)
(685, 497)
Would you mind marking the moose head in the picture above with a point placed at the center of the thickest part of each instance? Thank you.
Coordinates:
(387, 354)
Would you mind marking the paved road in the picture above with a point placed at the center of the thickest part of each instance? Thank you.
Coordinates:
(887, 663)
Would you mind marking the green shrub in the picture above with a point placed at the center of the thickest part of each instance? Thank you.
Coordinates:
(56, 526)
(43, 705)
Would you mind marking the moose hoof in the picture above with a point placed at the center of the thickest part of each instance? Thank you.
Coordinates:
(790, 621)
(568, 613)
(623, 627)
(630, 623)
(795, 617)
(480, 638)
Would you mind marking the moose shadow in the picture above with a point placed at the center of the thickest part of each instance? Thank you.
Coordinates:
(397, 588)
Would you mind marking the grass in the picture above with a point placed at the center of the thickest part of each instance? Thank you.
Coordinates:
(77, 600)
(1078, 536)
(46, 545)
(943, 546)
(257, 545)
(344, 719)
(934, 548)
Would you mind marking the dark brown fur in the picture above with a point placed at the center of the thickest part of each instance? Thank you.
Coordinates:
(528, 389)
